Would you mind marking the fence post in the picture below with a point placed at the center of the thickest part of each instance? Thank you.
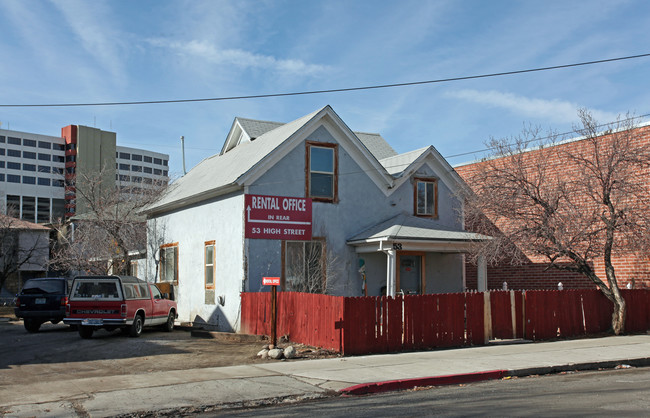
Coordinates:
(513, 314)
(487, 317)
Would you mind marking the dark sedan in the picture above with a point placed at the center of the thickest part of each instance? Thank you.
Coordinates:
(42, 300)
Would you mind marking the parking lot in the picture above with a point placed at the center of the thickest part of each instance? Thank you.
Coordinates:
(56, 352)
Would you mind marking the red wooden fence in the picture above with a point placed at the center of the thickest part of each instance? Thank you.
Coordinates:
(382, 324)
(308, 318)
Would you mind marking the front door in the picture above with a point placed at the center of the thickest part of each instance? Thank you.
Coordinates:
(410, 274)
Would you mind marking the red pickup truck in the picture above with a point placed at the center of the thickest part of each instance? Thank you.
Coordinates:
(112, 302)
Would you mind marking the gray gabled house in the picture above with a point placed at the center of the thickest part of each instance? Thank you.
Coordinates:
(381, 223)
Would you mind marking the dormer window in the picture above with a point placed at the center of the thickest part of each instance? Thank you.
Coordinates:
(426, 197)
(322, 171)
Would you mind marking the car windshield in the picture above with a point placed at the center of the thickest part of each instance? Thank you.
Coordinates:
(43, 286)
(95, 289)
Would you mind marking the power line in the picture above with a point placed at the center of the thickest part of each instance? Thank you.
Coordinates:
(341, 90)
(544, 138)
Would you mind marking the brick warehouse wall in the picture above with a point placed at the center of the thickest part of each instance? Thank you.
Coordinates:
(630, 268)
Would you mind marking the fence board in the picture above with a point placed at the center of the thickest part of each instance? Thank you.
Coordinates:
(501, 314)
(474, 319)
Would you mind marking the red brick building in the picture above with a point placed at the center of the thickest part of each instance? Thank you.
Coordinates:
(631, 268)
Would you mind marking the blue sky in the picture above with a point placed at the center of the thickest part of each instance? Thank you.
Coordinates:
(104, 51)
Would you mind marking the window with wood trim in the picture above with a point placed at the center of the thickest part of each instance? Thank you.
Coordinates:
(304, 266)
(426, 197)
(169, 263)
(209, 257)
(322, 171)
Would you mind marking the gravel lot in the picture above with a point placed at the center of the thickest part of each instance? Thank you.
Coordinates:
(57, 351)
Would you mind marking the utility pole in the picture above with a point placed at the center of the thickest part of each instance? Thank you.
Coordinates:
(183, 150)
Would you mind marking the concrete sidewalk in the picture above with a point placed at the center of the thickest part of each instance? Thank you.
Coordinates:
(281, 381)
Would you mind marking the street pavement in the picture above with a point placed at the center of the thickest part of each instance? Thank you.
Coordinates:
(289, 381)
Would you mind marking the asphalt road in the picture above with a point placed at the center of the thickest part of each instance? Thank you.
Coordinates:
(624, 392)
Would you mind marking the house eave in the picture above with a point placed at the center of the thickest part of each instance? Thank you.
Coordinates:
(197, 198)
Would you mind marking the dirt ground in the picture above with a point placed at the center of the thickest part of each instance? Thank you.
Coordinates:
(57, 352)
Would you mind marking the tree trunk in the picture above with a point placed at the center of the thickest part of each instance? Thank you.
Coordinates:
(620, 310)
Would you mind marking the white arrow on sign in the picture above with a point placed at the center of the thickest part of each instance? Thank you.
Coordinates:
(248, 209)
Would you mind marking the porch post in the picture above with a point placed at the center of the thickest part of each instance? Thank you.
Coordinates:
(482, 274)
(390, 273)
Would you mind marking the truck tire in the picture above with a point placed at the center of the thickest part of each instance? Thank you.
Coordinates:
(85, 332)
(32, 325)
(136, 327)
(169, 325)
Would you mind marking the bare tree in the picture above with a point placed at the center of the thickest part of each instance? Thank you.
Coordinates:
(572, 205)
(20, 246)
(310, 267)
(111, 229)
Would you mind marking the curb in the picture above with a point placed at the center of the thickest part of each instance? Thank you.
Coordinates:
(452, 379)
(457, 379)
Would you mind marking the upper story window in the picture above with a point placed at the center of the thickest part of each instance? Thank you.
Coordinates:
(426, 197)
(322, 172)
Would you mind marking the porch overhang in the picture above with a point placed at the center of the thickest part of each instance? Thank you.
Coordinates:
(407, 233)
(410, 244)
(410, 233)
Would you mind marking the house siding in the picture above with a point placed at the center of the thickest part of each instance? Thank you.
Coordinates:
(361, 204)
(220, 220)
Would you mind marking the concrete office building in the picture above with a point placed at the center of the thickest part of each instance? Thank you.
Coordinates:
(39, 173)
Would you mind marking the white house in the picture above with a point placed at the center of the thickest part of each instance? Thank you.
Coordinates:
(322, 207)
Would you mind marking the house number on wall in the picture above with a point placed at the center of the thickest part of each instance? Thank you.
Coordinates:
(397, 246)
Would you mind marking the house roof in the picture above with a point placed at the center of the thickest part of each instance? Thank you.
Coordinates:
(220, 173)
(15, 223)
(375, 143)
(241, 161)
(408, 227)
(396, 164)
(256, 128)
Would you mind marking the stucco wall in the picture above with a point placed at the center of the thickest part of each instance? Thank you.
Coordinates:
(362, 204)
(220, 220)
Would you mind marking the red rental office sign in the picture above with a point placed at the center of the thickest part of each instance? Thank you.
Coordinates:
(277, 217)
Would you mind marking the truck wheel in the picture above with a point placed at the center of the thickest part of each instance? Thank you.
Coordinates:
(136, 327)
(32, 325)
(169, 325)
(85, 332)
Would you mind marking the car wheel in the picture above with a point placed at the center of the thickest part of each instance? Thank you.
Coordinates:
(136, 327)
(85, 332)
(32, 325)
(169, 325)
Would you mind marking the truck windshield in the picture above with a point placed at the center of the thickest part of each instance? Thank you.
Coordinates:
(95, 289)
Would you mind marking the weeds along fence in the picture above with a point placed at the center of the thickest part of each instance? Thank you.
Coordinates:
(365, 325)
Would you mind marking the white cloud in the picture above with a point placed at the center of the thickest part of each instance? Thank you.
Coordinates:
(87, 21)
(240, 58)
(555, 111)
